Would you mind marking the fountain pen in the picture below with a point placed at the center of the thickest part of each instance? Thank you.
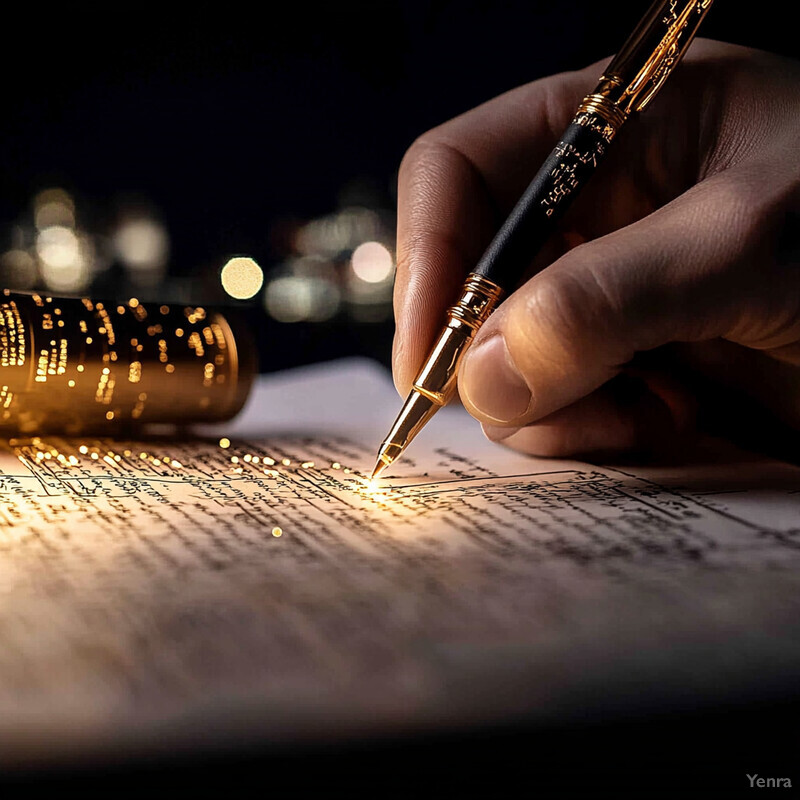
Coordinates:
(630, 82)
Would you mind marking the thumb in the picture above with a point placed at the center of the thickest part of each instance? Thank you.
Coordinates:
(698, 268)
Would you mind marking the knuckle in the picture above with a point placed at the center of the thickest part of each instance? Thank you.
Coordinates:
(748, 210)
(424, 159)
(413, 156)
(554, 318)
(738, 201)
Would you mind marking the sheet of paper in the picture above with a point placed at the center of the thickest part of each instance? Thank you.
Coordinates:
(169, 594)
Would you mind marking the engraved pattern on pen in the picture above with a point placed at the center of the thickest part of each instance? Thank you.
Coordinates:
(564, 175)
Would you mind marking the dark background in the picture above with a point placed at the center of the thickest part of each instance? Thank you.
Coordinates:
(236, 123)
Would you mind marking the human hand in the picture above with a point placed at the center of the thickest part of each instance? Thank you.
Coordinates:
(672, 271)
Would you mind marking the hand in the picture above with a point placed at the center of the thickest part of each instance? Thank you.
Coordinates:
(670, 286)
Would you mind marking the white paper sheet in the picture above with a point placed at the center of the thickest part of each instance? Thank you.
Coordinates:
(147, 604)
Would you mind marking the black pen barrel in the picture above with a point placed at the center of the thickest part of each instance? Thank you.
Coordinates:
(562, 176)
(631, 81)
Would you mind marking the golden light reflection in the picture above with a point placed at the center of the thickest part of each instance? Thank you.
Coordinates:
(372, 486)
(106, 363)
(78, 463)
(369, 487)
(241, 278)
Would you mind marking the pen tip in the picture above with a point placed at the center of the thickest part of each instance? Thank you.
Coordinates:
(387, 455)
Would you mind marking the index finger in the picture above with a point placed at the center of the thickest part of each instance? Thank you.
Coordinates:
(456, 183)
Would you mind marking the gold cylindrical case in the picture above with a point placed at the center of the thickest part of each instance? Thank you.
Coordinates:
(437, 378)
(75, 365)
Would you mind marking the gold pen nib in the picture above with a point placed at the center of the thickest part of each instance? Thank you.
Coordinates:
(379, 468)
(389, 452)
(416, 411)
(436, 381)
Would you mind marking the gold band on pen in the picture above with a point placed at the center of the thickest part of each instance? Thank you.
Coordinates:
(601, 105)
(436, 380)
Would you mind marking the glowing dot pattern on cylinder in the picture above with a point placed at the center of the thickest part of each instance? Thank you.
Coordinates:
(107, 357)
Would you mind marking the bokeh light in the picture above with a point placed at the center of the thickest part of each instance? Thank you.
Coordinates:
(57, 247)
(242, 278)
(298, 298)
(339, 264)
(372, 262)
(65, 258)
(53, 207)
(142, 245)
(335, 233)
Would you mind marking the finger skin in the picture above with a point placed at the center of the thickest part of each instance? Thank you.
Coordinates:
(445, 223)
(637, 413)
(459, 181)
(676, 242)
(576, 324)
(455, 185)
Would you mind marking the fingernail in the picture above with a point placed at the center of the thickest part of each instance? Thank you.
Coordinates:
(491, 382)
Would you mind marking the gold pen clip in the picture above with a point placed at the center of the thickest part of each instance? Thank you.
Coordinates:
(646, 59)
